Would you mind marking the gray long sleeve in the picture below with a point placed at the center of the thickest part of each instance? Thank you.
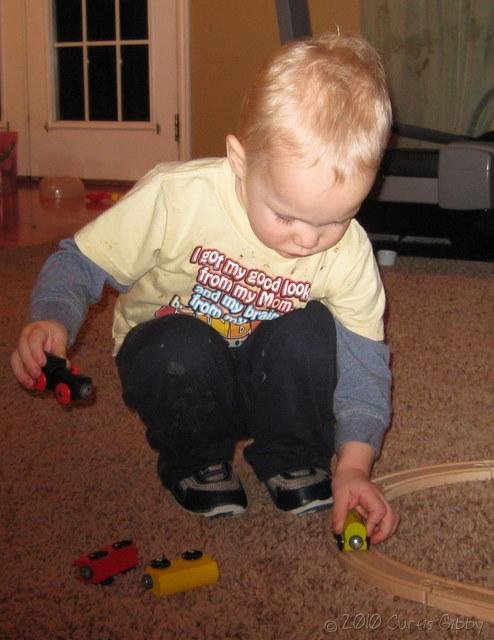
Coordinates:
(69, 282)
(362, 398)
(66, 285)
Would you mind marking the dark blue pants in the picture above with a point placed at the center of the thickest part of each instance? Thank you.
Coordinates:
(197, 397)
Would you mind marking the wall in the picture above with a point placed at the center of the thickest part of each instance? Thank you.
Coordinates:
(329, 14)
(230, 39)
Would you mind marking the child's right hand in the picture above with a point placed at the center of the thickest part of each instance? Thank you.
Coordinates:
(29, 356)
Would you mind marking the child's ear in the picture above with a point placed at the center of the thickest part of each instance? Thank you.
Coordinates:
(236, 156)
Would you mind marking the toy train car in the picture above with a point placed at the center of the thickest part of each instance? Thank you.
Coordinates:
(67, 383)
(100, 567)
(192, 570)
(354, 536)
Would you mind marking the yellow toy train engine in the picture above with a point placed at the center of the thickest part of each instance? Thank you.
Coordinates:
(354, 536)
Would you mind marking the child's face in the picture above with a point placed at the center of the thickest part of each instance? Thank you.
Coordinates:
(299, 211)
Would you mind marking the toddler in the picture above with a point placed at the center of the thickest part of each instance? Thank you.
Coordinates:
(250, 305)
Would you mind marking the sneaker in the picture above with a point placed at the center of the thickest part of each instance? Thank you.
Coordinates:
(302, 491)
(212, 492)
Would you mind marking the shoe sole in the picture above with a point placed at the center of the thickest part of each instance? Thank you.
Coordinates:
(218, 512)
(312, 507)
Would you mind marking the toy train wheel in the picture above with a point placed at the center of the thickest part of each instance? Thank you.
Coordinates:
(164, 563)
(147, 581)
(96, 555)
(192, 555)
(121, 544)
(40, 383)
(339, 541)
(86, 572)
(63, 393)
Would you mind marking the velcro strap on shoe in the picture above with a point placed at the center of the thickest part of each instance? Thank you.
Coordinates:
(214, 473)
(299, 473)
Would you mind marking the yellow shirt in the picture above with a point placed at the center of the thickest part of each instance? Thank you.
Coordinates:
(183, 240)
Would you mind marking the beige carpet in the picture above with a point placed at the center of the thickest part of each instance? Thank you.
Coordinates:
(73, 481)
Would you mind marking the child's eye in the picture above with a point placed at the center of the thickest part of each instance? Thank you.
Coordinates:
(340, 223)
(282, 219)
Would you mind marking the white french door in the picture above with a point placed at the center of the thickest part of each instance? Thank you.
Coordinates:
(90, 85)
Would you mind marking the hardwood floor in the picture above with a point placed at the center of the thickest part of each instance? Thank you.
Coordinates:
(27, 219)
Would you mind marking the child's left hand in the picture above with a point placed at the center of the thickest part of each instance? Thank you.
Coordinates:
(353, 489)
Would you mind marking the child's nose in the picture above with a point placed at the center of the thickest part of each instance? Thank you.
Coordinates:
(307, 239)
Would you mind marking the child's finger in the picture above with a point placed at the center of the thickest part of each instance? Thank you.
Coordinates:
(28, 362)
(375, 517)
(31, 353)
(364, 514)
(59, 347)
(386, 527)
(339, 512)
(20, 371)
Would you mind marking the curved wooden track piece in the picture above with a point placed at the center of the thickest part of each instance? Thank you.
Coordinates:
(407, 582)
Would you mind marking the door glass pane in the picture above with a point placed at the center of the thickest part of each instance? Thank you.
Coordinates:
(70, 84)
(107, 91)
(100, 19)
(102, 83)
(133, 19)
(68, 20)
(135, 86)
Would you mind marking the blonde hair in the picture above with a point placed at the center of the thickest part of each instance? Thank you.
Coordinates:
(321, 98)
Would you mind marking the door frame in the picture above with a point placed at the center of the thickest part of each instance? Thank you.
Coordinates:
(184, 78)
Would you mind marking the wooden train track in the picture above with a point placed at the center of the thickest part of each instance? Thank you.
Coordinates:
(407, 582)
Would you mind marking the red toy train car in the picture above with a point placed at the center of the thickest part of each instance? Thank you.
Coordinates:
(67, 382)
(100, 567)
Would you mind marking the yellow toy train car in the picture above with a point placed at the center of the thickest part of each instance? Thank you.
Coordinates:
(192, 570)
(354, 536)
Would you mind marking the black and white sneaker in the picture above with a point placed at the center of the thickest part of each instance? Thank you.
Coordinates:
(302, 491)
(212, 492)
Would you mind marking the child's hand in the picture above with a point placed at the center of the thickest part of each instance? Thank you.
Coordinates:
(353, 489)
(29, 356)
